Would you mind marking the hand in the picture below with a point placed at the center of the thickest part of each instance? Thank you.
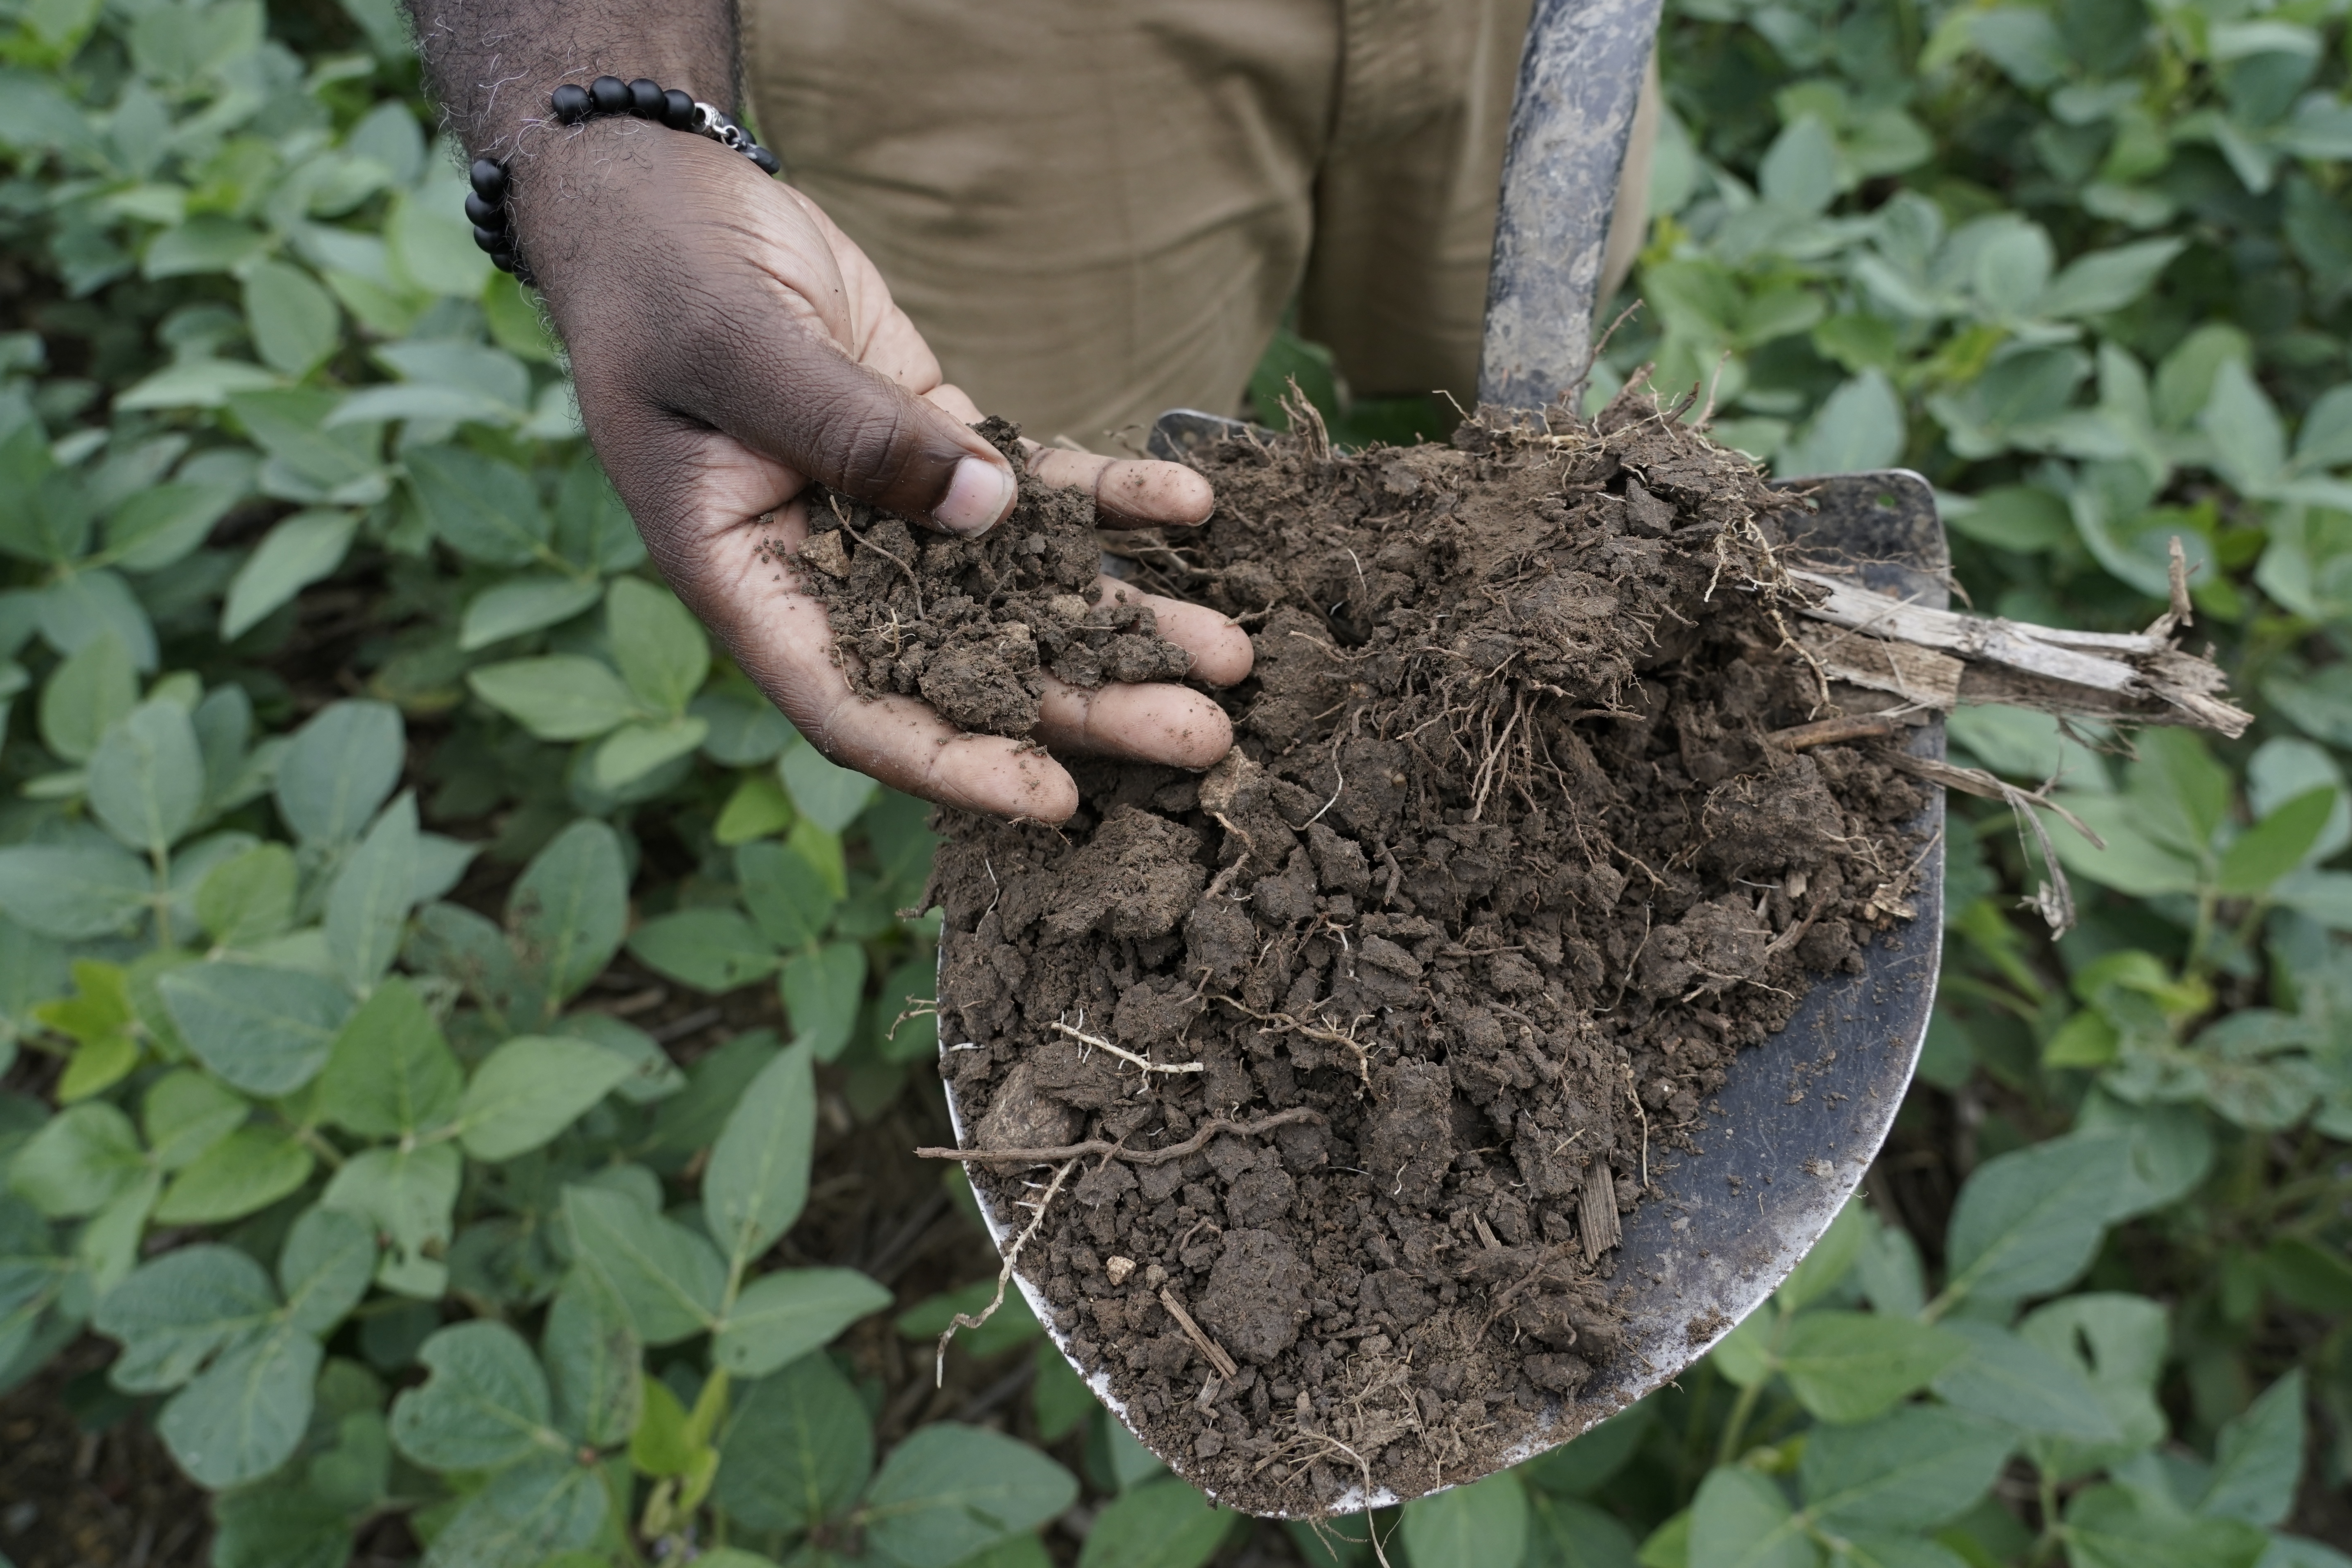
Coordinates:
(729, 343)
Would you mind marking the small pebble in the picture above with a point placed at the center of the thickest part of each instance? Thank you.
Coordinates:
(1118, 1268)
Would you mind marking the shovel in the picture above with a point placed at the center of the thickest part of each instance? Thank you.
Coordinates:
(1720, 1229)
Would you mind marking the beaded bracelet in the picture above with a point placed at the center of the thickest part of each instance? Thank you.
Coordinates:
(485, 205)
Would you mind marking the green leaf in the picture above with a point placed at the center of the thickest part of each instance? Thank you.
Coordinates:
(691, 1121)
(266, 1031)
(389, 1073)
(1739, 1520)
(712, 950)
(158, 527)
(198, 383)
(520, 605)
(340, 768)
(1565, 1533)
(410, 1195)
(1859, 428)
(82, 1159)
(2107, 281)
(1853, 1366)
(662, 1443)
(789, 899)
(785, 1315)
(433, 244)
(276, 1527)
(324, 1268)
(949, 1491)
(652, 1076)
(207, 242)
(562, 698)
(530, 1089)
(1168, 1524)
(571, 906)
(593, 1358)
(2309, 1276)
(147, 777)
(757, 809)
(822, 988)
(1912, 1469)
(2113, 1527)
(661, 648)
(250, 1169)
(78, 610)
(86, 694)
(592, 529)
(2118, 1342)
(757, 1180)
(298, 551)
(2258, 1458)
(1485, 1521)
(246, 899)
(2274, 846)
(485, 1403)
(2249, 442)
(175, 1313)
(485, 509)
(633, 750)
(1798, 170)
(367, 907)
(2028, 1222)
(244, 1416)
(827, 795)
(294, 321)
(524, 1515)
(1833, 1258)
(794, 1448)
(186, 1113)
(74, 891)
(2023, 1386)
(670, 1279)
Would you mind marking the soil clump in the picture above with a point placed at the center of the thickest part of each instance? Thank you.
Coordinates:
(1506, 861)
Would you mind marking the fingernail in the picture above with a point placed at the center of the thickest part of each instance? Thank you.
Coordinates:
(980, 494)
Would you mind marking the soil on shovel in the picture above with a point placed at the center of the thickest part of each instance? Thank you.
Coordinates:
(1522, 837)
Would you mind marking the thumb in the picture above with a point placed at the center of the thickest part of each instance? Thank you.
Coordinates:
(777, 383)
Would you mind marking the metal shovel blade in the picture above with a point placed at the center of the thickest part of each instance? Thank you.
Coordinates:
(1801, 1115)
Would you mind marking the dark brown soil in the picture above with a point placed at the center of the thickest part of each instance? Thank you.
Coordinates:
(973, 627)
(1506, 861)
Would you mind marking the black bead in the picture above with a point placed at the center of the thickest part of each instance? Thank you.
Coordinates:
(678, 109)
(489, 179)
(766, 160)
(571, 102)
(645, 98)
(504, 260)
(609, 94)
(485, 215)
(493, 239)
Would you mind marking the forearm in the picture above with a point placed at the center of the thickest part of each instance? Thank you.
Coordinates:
(491, 64)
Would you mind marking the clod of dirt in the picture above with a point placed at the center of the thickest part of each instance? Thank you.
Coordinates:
(974, 626)
(1505, 863)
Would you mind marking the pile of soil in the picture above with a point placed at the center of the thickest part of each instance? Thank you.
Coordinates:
(1513, 851)
(973, 627)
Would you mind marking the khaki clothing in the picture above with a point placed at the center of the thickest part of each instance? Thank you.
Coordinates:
(1095, 210)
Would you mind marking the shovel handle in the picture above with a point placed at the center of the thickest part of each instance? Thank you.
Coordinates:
(1579, 78)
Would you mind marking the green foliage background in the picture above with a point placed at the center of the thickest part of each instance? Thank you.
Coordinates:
(283, 1120)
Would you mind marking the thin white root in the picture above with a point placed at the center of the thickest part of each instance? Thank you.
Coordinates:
(1146, 1063)
(1003, 1277)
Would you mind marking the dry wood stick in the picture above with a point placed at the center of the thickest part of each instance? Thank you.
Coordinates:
(1225, 1365)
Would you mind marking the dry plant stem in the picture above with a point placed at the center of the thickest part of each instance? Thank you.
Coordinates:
(1146, 1063)
(1198, 1141)
(1227, 1368)
(2054, 899)
(1979, 659)
(1003, 1275)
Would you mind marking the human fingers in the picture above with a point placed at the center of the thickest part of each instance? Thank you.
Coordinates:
(1221, 650)
(1128, 492)
(1154, 722)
